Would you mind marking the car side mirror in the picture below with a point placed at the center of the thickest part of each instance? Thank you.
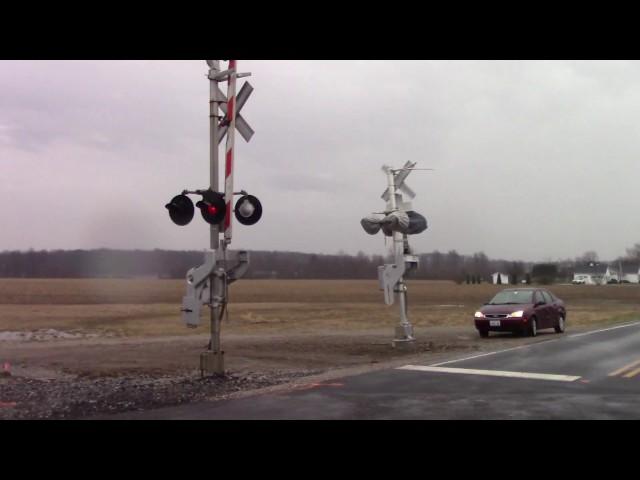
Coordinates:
(537, 304)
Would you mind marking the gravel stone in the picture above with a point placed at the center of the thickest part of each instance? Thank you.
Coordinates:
(65, 398)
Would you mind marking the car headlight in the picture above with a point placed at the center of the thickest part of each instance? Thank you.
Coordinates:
(479, 315)
(517, 314)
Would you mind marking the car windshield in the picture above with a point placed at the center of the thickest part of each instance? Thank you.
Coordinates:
(509, 297)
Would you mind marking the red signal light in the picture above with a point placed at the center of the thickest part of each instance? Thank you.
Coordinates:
(212, 207)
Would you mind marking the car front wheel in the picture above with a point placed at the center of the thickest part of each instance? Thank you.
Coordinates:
(559, 328)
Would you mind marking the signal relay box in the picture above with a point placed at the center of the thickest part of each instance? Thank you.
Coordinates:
(411, 262)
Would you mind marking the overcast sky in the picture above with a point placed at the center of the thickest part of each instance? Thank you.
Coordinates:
(533, 160)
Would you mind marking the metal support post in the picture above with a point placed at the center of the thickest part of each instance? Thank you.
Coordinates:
(404, 331)
(212, 360)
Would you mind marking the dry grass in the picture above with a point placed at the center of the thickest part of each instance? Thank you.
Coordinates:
(151, 307)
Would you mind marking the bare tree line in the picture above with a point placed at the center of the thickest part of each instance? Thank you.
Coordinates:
(272, 264)
(264, 264)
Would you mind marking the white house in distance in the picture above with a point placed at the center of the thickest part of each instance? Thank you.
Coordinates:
(504, 278)
(601, 274)
(611, 274)
(590, 274)
(630, 273)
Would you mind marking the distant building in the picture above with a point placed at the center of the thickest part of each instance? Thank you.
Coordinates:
(631, 273)
(590, 274)
(504, 278)
(611, 274)
(626, 272)
(601, 274)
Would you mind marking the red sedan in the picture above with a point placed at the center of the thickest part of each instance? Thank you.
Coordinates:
(522, 310)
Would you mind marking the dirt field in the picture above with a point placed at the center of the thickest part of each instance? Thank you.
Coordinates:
(280, 321)
(52, 330)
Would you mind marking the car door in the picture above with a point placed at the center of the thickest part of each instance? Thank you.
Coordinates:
(552, 310)
(558, 305)
(541, 310)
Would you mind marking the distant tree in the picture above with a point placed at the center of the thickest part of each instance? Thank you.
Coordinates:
(436, 265)
(587, 257)
(499, 282)
(545, 273)
(515, 270)
(453, 264)
(264, 264)
(481, 264)
(566, 268)
(633, 253)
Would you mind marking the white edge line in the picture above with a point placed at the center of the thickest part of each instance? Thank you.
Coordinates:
(531, 344)
(493, 373)
(604, 329)
(482, 355)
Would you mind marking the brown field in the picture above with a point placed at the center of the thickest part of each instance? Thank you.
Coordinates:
(272, 323)
(151, 307)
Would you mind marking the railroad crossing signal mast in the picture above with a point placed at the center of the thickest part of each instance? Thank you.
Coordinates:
(209, 283)
(399, 221)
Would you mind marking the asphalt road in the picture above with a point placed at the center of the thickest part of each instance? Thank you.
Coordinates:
(591, 375)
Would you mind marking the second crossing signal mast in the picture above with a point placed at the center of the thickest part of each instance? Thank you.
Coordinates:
(399, 221)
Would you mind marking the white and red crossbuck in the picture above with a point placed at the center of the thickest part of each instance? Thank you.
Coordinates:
(228, 172)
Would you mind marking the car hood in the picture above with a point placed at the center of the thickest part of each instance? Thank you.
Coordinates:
(498, 309)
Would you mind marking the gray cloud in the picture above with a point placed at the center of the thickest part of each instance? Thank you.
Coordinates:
(533, 160)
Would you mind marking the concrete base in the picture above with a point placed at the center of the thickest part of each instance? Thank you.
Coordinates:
(404, 337)
(211, 363)
(404, 343)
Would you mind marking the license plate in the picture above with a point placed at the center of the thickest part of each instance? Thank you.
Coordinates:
(494, 323)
